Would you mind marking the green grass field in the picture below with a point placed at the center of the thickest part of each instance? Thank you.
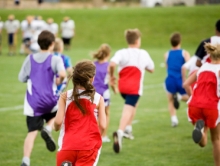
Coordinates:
(156, 143)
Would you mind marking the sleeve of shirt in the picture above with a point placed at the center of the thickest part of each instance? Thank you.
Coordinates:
(57, 64)
(149, 62)
(116, 58)
(24, 73)
(200, 52)
(67, 62)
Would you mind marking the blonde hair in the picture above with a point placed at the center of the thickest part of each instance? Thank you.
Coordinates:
(103, 52)
(58, 44)
(132, 35)
(213, 50)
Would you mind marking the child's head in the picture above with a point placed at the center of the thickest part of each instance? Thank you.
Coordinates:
(175, 39)
(83, 76)
(50, 20)
(46, 40)
(58, 45)
(213, 50)
(133, 37)
(11, 17)
(103, 52)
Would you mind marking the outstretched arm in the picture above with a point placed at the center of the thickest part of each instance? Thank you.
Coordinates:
(187, 84)
(112, 78)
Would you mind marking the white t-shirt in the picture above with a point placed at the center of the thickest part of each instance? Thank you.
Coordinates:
(39, 25)
(191, 65)
(1, 25)
(132, 63)
(67, 29)
(53, 28)
(34, 44)
(12, 26)
(27, 29)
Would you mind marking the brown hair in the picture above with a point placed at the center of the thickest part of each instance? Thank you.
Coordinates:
(83, 72)
(103, 52)
(45, 39)
(175, 39)
(213, 50)
(132, 35)
(58, 45)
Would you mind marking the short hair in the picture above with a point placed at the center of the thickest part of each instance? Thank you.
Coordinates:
(45, 39)
(217, 25)
(58, 45)
(175, 39)
(132, 35)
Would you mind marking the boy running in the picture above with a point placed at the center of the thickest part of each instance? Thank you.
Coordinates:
(132, 63)
(174, 60)
(39, 71)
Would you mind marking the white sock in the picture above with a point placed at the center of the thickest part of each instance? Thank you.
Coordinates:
(179, 97)
(26, 160)
(174, 119)
(48, 128)
(120, 133)
(128, 128)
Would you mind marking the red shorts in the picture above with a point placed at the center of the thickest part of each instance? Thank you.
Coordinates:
(210, 116)
(78, 157)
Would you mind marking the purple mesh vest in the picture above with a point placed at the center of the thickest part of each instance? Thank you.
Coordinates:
(101, 82)
(42, 99)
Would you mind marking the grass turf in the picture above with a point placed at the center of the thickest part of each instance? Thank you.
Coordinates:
(155, 143)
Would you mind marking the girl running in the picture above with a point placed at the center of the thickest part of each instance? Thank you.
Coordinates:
(203, 105)
(80, 139)
(101, 81)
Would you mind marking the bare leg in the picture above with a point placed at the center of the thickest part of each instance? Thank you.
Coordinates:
(215, 137)
(29, 143)
(127, 116)
(107, 121)
(203, 142)
(185, 97)
(171, 108)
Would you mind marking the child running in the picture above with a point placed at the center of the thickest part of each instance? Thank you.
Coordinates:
(101, 81)
(132, 62)
(174, 60)
(39, 71)
(203, 105)
(80, 139)
(58, 50)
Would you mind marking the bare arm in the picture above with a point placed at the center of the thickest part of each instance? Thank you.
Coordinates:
(187, 84)
(112, 78)
(183, 72)
(101, 114)
(62, 75)
(186, 56)
(61, 112)
(198, 63)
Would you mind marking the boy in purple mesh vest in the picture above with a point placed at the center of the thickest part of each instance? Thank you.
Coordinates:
(39, 72)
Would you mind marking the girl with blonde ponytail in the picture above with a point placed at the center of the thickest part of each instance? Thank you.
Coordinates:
(203, 105)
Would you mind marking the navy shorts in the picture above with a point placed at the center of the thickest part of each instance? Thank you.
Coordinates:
(66, 41)
(174, 85)
(10, 38)
(37, 122)
(130, 99)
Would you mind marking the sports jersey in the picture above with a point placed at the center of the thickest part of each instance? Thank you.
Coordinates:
(67, 28)
(132, 63)
(191, 65)
(27, 29)
(200, 52)
(53, 28)
(78, 131)
(175, 60)
(12, 26)
(39, 71)
(206, 91)
(38, 25)
(101, 79)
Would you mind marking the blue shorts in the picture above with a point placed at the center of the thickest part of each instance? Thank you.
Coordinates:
(174, 85)
(130, 99)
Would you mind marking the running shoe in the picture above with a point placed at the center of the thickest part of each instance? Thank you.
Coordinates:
(23, 164)
(105, 139)
(176, 103)
(128, 135)
(117, 144)
(46, 135)
(198, 131)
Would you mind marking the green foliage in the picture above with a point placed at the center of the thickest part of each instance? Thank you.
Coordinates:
(156, 143)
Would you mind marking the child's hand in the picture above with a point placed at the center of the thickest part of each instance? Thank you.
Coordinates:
(113, 84)
(115, 89)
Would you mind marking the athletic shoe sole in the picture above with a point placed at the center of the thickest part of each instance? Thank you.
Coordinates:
(176, 103)
(51, 146)
(197, 133)
(116, 144)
